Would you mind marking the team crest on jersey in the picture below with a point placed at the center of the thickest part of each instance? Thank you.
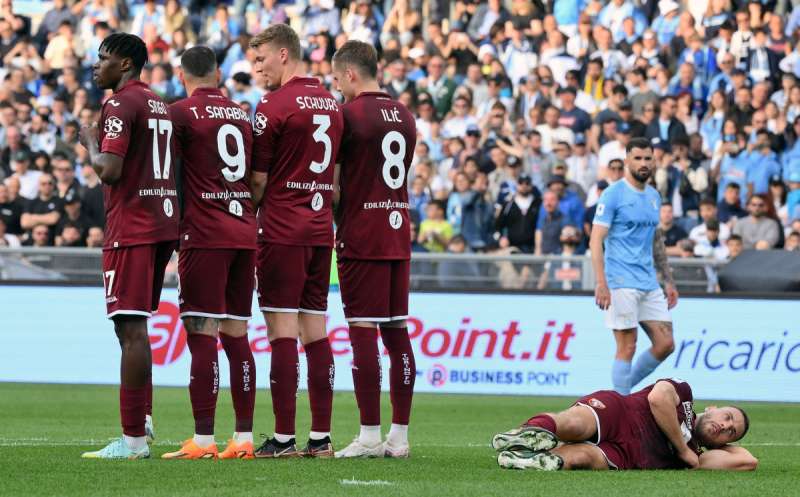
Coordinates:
(595, 403)
(259, 124)
(113, 127)
(113, 102)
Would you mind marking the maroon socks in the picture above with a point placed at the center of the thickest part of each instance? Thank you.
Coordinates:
(131, 409)
(402, 373)
(543, 421)
(243, 379)
(320, 383)
(367, 374)
(204, 383)
(283, 383)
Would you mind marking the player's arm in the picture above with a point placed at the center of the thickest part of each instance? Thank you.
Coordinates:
(265, 139)
(729, 458)
(662, 268)
(258, 183)
(602, 295)
(663, 400)
(108, 166)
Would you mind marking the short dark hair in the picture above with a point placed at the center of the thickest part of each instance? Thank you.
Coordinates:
(733, 186)
(735, 238)
(707, 201)
(638, 142)
(360, 55)
(744, 414)
(127, 46)
(281, 36)
(199, 61)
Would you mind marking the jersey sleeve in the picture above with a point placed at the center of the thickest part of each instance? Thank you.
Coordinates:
(606, 207)
(118, 118)
(266, 134)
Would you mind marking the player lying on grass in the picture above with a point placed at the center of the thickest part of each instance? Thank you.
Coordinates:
(654, 428)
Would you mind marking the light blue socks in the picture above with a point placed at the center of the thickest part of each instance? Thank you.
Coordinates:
(620, 376)
(646, 363)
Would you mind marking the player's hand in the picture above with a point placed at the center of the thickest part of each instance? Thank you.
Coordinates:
(672, 295)
(602, 296)
(688, 456)
(88, 134)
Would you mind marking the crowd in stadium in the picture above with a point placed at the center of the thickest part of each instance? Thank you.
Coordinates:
(523, 110)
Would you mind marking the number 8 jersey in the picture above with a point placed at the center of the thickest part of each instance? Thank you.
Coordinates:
(377, 148)
(214, 139)
(297, 131)
(141, 208)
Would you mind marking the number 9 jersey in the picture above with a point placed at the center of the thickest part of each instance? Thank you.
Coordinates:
(141, 208)
(377, 148)
(214, 139)
(297, 131)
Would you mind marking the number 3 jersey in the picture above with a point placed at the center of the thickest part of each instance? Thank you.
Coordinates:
(214, 139)
(297, 131)
(141, 208)
(377, 148)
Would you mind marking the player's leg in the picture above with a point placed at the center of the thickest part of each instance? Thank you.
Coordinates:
(128, 274)
(281, 274)
(366, 298)
(202, 274)
(233, 335)
(564, 457)
(655, 319)
(621, 317)
(319, 356)
(544, 431)
(403, 370)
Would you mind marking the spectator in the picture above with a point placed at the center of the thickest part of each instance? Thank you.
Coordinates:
(666, 128)
(757, 229)
(439, 86)
(461, 118)
(581, 165)
(516, 223)
(7, 239)
(549, 225)
(10, 212)
(73, 217)
(729, 207)
(763, 165)
(64, 173)
(477, 220)
(455, 274)
(735, 246)
(672, 233)
(14, 144)
(487, 15)
(569, 202)
(43, 210)
(435, 232)
(709, 212)
(711, 245)
(564, 275)
(95, 237)
(63, 46)
(552, 132)
(734, 166)
(792, 242)
(29, 179)
(39, 237)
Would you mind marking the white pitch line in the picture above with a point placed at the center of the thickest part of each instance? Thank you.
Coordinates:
(366, 483)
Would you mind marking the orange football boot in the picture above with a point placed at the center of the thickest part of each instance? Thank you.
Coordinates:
(191, 450)
(242, 450)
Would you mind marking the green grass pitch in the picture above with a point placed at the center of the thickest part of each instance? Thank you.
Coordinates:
(44, 429)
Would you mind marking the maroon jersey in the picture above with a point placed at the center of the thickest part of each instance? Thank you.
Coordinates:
(142, 206)
(298, 129)
(377, 148)
(654, 449)
(214, 139)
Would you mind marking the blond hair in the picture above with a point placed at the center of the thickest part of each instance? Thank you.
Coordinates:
(279, 36)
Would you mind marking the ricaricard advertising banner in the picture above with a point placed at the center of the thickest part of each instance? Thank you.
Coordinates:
(734, 349)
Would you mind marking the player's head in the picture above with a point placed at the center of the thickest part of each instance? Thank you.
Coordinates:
(719, 426)
(276, 47)
(639, 157)
(199, 67)
(119, 54)
(354, 63)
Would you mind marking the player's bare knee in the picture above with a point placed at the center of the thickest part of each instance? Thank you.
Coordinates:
(201, 325)
(233, 327)
(663, 342)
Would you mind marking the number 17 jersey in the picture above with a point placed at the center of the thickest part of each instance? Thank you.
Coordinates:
(377, 148)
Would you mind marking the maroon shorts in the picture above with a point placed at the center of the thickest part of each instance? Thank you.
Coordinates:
(615, 436)
(293, 278)
(133, 277)
(374, 291)
(216, 283)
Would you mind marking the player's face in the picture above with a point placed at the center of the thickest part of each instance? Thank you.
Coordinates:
(107, 71)
(641, 164)
(269, 64)
(341, 79)
(718, 426)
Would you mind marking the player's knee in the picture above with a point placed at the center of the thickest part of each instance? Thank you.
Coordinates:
(664, 348)
(626, 349)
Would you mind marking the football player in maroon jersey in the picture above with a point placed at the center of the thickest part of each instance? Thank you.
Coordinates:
(297, 131)
(216, 265)
(654, 428)
(131, 152)
(373, 229)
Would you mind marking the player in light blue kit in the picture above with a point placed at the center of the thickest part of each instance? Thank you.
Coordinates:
(627, 252)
